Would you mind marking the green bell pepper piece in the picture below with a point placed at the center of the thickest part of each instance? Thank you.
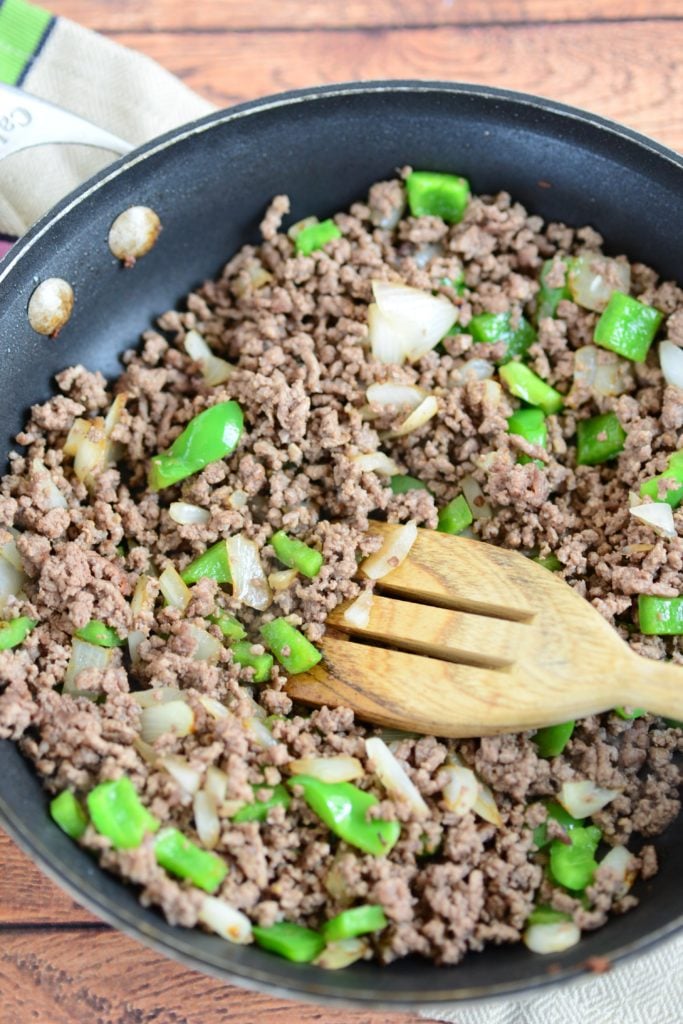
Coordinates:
(529, 424)
(525, 384)
(15, 631)
(116, 812)
(258, 810)
(213, 563)
(629, 714)
(210, 436)
(456, 516)
(315, 236)
(627, 327)
(177, 855)
(456, 282)
(402, 482)
(292, 941)
(546, 915)
(674, 472)
(356, 921)
(552, 740)
(660, 616)
(548, 298)
(291, 648)
(297, 555)
(343, 808)
(67, 812)
(599, 439)
(101, 635)
(229, 626)
(431, 194)
(494, 327)
(558, 813)
(574, 865)
(261, 663)
(552, 562)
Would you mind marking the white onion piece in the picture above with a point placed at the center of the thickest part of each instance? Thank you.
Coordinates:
(427, 252)
(671, 362)
(474, 369)
(590, 287)
(214, 369)
(207, 646)
(581, 799)
(84, 655)
(8, 547)
(622, 864)
(551, 938)
(342, 953)
(358, 612)
(389, 340)
(461, 790)
(238, 499)
(175, 716)
(393, 776)
(79, 430)
(603, 372)
(144, 595)
(92, 452)
(485, 805)
(182, 772)
(184, 514)
(474, 496)
(394, 550)
(403, 396)
(657, 514)
(52, 495)
(281, 579)
(376, 462)
(157, 695)
(341, 768)
(249, 582)
(247, 697)
(50, 306)
(418, 417)
(11, 581)
(258, 277)
(145, 750)
(296, 228)
(175, 590)
(133, 234)
(259, 732)
(135, 638)
(216, 784)
(419, 318)
(113, 416)
(220, 917)
(214, 707)
(206, 819)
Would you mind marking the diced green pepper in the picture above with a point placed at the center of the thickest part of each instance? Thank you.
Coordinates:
(574, 865)
(291, 648)
(552, 562)
(67, 812)
(15, 631)
(210, 436)
(549, 298)
(529, 424)
(258, 810)
(456, 516)
(101, 635)
(315, 236)
(674, 472)
(229, 626)
(213, 563)
(599, 439)
(557, 813)
(628, 714)
(261, 663)
(525, 384)
(116, 812)
(356, 921)
(494, 327)
(456, 282)
(627, 327)
(297, 555)
(552, 740)
(343, 808)
(660, 616)
(431, 194)
(546, 915)
(177, 855)
(292, 941)
(402, 482)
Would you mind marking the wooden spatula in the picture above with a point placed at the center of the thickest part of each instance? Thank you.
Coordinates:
(468, 639)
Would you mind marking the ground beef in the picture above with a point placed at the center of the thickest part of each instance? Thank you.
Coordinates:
(294, 328)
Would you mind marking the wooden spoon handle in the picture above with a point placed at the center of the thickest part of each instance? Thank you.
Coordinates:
(656, 686)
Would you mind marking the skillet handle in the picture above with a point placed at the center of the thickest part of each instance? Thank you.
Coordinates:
(27, 121)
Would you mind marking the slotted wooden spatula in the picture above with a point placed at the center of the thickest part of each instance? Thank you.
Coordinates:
(468, 639)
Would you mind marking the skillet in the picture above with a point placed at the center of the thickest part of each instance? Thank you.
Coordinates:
(210, 183)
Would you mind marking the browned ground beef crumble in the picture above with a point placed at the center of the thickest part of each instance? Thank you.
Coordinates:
(298, 338)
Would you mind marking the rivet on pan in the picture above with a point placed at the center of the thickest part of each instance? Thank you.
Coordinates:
(133, 234)
(50, 306)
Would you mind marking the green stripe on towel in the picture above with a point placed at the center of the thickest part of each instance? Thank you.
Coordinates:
(23, 28)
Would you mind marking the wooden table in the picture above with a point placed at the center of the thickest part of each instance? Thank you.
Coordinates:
(58, 964)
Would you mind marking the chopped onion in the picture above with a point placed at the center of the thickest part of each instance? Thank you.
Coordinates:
(604, 373)
(214, 370)
(657, 514)
(259, 732)
(116, 408)
(427, 252)
(144, 595)
(145, 750)
(182, 772)
(157, 695)
(461, 790)
(296, 228)
(247, 697)
(485, 805)
(187, 515)
(175, 716)
(376, 462)
(77, 433)
(84, 655)
(175, 590)
(216, 784)
(671, 362)
(92, 453)
(622, 864)
(342, 953)
(282, 579)
(11, 581)
(53, 497)
(593, 277)
(223, 919)
(474, 369)
(341, 768)
(407, 322)
(8, 548)
(214, 707)
(551, 938)
(418, 417)
(394, 777)
(206, 819)
(581, 799)
(207, 647)
(474, 496)
(258, 277)
(238, 499)
(403, 396)
(135, 638)
(394, 550)
(250, 585)
(358, 612)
